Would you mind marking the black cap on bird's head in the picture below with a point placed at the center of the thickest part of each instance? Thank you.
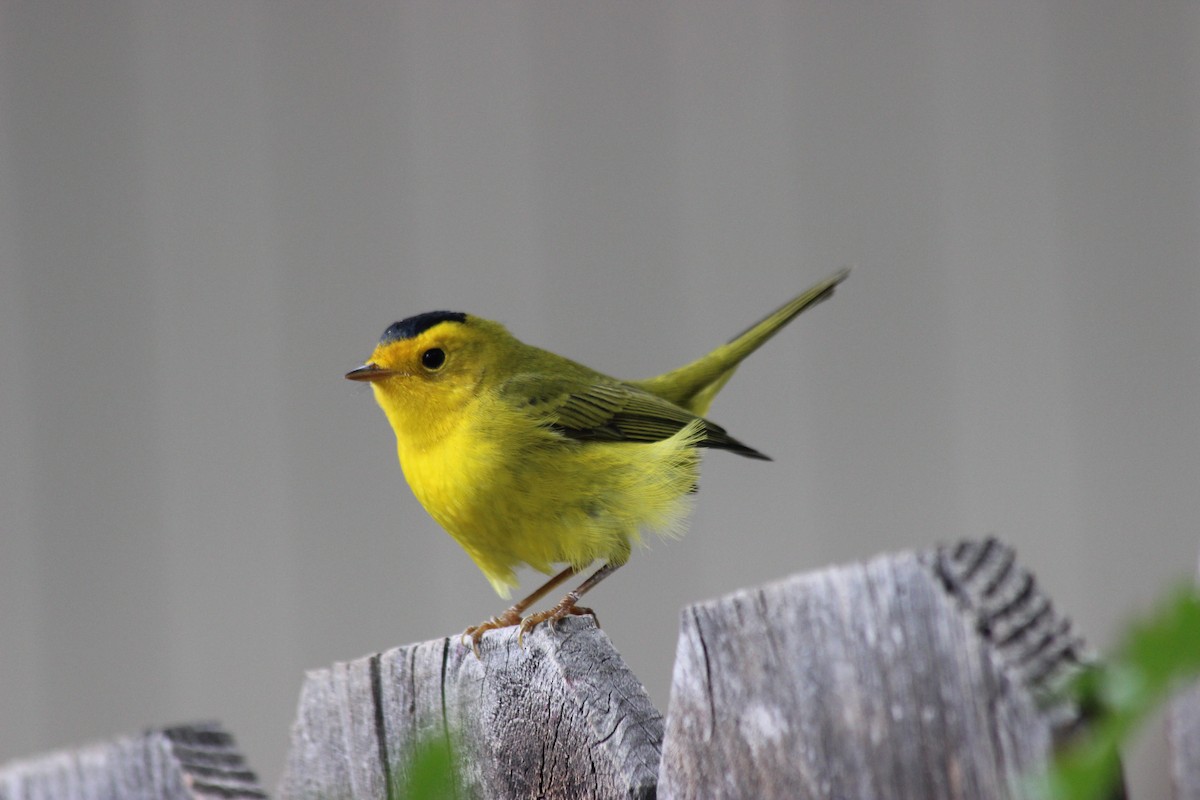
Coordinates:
(403, 330)
(415, 326)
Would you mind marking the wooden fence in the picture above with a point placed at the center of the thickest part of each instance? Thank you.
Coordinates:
(919, 675)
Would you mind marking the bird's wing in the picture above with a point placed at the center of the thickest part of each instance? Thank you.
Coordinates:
(605, 410)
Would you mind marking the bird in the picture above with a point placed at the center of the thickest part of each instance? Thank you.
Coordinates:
(528, 458)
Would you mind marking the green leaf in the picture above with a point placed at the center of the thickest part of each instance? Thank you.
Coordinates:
(1156, 655)
(430, 774)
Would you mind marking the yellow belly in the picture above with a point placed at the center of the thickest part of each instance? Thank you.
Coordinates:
(547, 499)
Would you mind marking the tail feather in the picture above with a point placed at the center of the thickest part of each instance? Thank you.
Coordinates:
(695, 385)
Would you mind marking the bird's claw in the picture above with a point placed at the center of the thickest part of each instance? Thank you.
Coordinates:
(476, 632)
(510, 618)
(553, 615)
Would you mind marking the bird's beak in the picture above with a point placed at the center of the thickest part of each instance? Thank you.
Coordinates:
(368, 372)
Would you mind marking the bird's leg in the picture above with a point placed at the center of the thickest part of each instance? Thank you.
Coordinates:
(513, 615)
(567, 606)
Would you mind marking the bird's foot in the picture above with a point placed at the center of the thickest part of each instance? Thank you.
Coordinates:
(476, 632)
(565, 608)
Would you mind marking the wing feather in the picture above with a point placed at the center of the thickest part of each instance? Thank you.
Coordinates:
(606, 410)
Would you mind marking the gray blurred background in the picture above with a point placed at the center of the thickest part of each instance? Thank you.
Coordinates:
(210, 211)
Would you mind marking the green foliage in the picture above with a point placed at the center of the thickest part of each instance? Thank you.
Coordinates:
(1158, 654)
(430, 774)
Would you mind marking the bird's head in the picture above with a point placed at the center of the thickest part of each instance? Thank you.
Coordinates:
(426, 368)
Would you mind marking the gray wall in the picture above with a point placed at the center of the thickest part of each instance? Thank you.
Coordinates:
(209, 212)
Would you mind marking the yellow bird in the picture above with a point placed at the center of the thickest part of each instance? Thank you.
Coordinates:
(526, 457)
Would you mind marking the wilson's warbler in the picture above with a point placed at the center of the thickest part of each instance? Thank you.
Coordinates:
(526, 457)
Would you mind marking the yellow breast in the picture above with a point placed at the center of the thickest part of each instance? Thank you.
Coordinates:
(511, 492)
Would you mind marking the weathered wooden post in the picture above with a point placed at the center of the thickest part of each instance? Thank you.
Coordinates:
(1183, 733)
(562, 717)
(185, 762)
(913, 676)
(920, 675)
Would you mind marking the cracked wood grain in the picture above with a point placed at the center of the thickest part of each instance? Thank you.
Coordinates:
(1183, 737)
(185, 762)
(1183, 734)
(562, 718)
(917, 676)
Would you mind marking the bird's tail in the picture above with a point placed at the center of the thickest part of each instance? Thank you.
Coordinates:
(694, 386)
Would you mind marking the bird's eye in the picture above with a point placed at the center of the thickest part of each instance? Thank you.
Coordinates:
(433, 358)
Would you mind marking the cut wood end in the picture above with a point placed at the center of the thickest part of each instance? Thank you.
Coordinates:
(561, 716)
(1031, 641)
(180, 762)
